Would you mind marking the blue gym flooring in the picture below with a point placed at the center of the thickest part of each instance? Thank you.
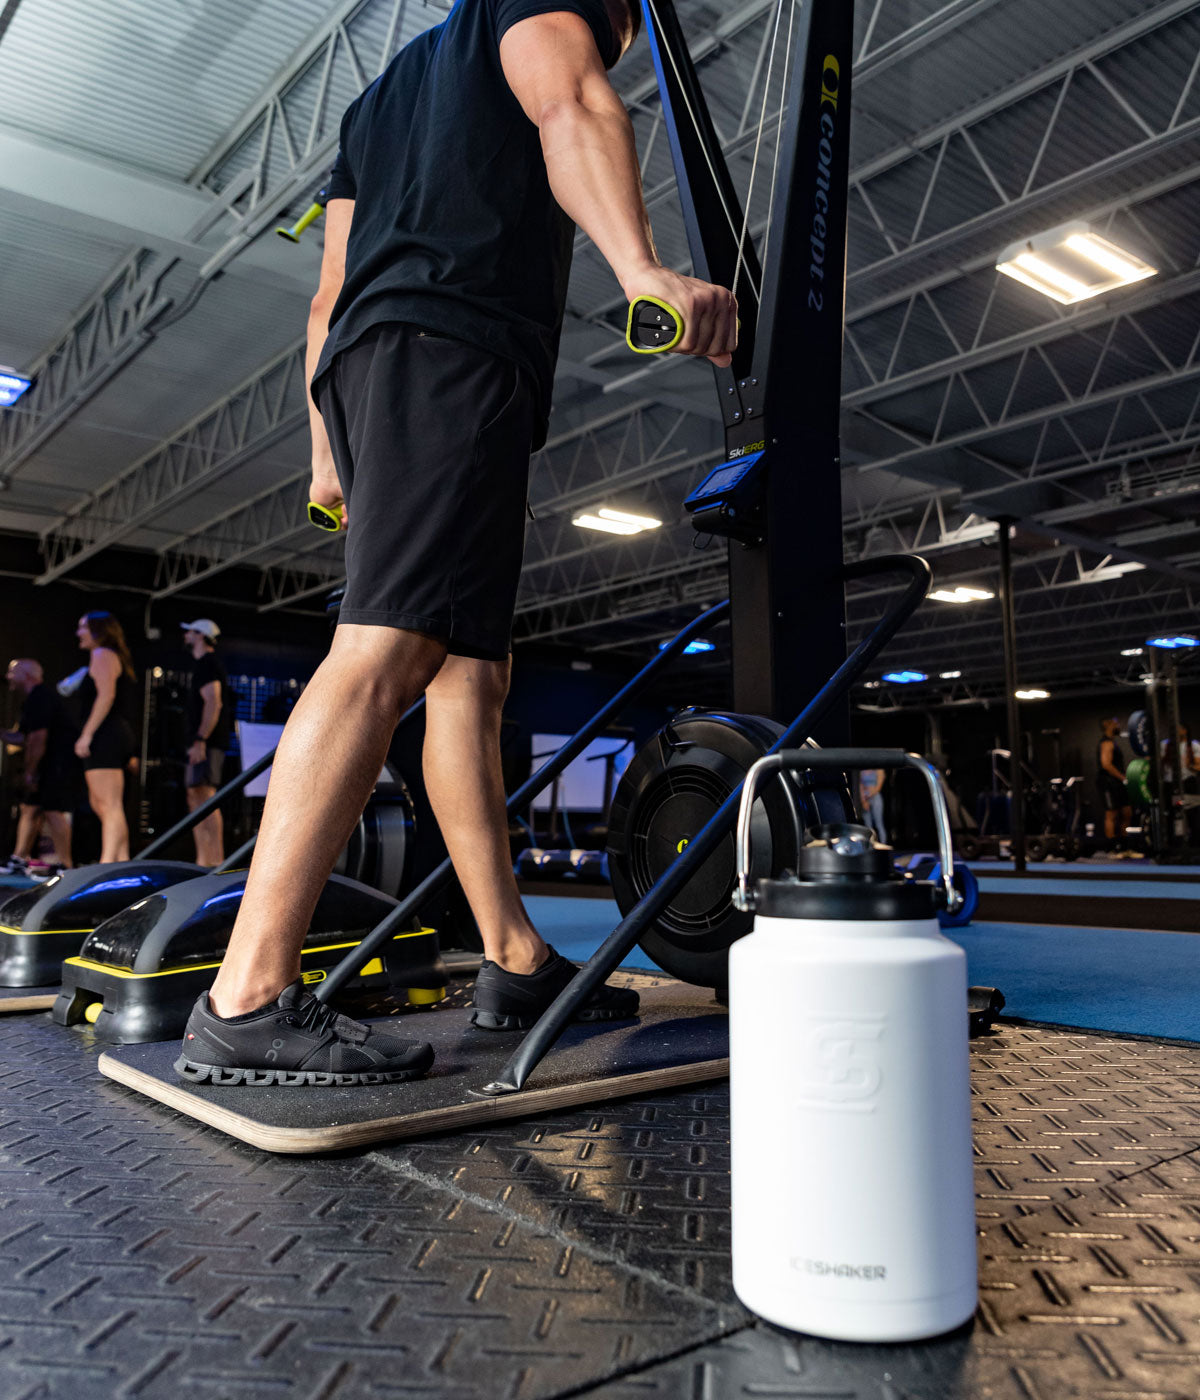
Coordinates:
(1100, 979)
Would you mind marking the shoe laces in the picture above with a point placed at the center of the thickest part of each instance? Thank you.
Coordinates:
(320, 1017)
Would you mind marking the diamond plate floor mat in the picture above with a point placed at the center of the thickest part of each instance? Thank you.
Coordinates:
(144, 1255)
(679, 1037)
(579, 1252)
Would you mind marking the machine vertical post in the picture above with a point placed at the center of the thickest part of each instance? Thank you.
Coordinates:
(783, 390)
(1012, 705)
(789, 619)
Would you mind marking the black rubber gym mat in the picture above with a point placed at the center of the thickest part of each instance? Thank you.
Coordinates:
(13, 999)
(680, 1037)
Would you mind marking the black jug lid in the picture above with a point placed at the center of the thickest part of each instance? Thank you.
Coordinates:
(843, 873)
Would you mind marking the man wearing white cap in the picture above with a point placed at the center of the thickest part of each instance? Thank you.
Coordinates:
(208, 736)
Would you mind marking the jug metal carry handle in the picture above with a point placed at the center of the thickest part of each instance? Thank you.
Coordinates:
(800, 759)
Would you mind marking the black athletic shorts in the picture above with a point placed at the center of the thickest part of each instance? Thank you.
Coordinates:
(113, 744)
(1113, 793)
(431, 438)
(58, 788)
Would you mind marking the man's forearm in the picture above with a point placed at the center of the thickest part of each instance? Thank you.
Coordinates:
(591, 162)
(318, 331)
(208, 717)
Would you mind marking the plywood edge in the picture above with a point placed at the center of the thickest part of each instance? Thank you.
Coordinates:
(339, 1137)
(41, 1001)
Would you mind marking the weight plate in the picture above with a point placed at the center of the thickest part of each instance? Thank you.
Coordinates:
(1140, 738)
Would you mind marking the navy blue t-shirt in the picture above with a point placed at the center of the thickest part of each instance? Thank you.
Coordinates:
(455, 228)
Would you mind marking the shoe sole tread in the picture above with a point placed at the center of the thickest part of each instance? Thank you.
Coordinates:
(290, 1078)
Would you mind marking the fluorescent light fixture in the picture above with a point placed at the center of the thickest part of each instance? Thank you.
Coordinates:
(1071, 263)
(1105, 573)
(1032, 694)
(12, 386)
(968, 533)
(693, 648)
(961, 594)
(1134, 651)
(904, 677)
(616, 522)
(949, 675)
(1172, 643)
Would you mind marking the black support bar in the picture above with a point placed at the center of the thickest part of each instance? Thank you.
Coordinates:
(554, 1020)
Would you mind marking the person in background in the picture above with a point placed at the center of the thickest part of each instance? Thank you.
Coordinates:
(870, 801)
(1189, 776)
(107, 741)
(1189, 758)
(209, 734)
(51, 779)
(1110, 779)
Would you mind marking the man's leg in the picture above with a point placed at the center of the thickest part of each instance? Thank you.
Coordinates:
(29, 823)
(329, 757)
(209, 833)
(465, 784)
(59, 826)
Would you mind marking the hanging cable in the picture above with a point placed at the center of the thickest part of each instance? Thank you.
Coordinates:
(787, 64)
(762, 117)
(729, 218)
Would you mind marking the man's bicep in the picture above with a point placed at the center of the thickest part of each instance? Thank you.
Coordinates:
(211, 691)
(339, 213)
(552, 58)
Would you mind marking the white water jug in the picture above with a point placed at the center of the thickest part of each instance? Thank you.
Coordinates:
(853, 1202)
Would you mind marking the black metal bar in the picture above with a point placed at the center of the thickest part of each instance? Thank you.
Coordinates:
(233, 861)
(437, 880)
(556, 1017)
(193, 818)
(1016, 826)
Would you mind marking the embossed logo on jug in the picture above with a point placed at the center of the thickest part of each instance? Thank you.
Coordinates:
(840, 1063)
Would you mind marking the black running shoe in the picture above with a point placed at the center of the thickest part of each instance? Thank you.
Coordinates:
(295, 1040)
(512, 1001)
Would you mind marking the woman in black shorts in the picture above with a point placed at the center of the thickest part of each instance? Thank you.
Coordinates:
(107, 741)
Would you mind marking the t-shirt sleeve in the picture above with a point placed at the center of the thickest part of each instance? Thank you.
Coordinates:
(509, 12)
(341, 183)
(36, 712)
(208, 669)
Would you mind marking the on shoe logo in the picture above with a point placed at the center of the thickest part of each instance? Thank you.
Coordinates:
(317, 974)
(273, 1052)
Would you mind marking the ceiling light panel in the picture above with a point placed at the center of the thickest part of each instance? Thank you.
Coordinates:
(1072, 263)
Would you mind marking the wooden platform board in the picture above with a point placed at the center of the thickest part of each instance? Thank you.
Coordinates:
(681, 1037)
(13, 999)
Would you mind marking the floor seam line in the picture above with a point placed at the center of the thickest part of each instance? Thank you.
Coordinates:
(588, 1250)
(636, 1369)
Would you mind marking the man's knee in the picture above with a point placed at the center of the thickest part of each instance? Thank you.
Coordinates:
(390, 666)
(466, 680)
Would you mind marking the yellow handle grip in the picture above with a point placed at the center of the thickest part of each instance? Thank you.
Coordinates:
(653, 326)
(310, 216)
(324, 518)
